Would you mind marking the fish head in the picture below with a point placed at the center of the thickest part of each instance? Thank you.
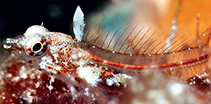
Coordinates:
(40, 48)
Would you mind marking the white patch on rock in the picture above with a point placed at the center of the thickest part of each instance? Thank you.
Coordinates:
(37, 85)
(15, 79)
(23, 75)
(86, 92)
(176, 89)
(23, 72)
(32, 76)
(9, 75)
(27, 96)
(50, 87)
(90, 74)
(118, 79)
(73, 92)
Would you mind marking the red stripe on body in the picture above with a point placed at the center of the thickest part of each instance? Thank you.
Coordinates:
(139, 67)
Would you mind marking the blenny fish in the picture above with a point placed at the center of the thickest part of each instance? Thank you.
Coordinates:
(79, 61)
(59, 55)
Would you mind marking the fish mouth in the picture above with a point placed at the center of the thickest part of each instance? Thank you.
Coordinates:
(15, 44)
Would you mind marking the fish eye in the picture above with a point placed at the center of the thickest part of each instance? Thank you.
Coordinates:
(36, 46)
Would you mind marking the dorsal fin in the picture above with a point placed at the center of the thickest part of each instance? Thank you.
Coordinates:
(147, 46)
(139, 43)
(153, 50)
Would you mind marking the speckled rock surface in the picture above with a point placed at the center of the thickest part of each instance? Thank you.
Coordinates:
(23, 84)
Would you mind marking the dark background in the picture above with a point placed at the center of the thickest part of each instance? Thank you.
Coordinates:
(16, 16)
